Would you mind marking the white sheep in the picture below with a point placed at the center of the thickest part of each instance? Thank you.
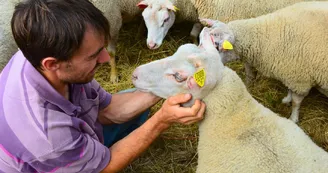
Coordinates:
(8, 46)
(159, 15)
(288, 45)
(117, 12)
(238, 134)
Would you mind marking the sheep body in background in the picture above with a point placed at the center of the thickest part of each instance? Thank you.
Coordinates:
(8, 46)
(159, 15)
(117, 12)
(238, 134)
(227, 11)
(288, 45)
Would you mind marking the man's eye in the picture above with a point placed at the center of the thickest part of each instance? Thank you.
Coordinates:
(92, 57)
(178, 77)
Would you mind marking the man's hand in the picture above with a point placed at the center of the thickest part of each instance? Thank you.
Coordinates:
(171, 111)
(129, 148)
(126, 106)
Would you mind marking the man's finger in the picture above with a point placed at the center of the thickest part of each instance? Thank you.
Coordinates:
(195, 108)
(186, 120)
(191, 121)
(195, 116)
(201, 112)
(178, 99)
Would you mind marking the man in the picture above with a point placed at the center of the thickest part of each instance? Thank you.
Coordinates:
(52, 110)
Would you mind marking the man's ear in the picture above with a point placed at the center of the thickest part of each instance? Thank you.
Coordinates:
(50, 64)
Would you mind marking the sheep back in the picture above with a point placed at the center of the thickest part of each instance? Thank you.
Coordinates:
(238, 134)
(288, 45)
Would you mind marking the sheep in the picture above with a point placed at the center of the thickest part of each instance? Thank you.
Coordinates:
(238, 134)
(159, 15)
(8, 46)
(117, 12)
(288, 45)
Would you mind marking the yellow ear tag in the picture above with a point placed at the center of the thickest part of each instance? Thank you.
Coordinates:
(175, 8)
(200, 77)
(227, 45)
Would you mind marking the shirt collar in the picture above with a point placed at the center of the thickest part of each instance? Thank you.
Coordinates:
(46, 91)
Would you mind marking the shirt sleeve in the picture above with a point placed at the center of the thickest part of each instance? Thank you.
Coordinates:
(83, 155)
(104, 97)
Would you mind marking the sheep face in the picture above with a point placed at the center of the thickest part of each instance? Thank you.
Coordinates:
(222, 35)
(159, 17)
(179, 73)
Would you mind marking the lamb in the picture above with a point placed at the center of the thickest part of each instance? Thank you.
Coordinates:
(117, 13)
(288, 45)
(238, 134)
(8, 46)
(159, 15)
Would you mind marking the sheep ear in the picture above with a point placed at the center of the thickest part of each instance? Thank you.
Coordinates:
(170, 6)
(173, 8)
(207, 22)
(142, 4)
(195, 61)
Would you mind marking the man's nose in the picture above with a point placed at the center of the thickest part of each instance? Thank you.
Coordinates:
(103, 56)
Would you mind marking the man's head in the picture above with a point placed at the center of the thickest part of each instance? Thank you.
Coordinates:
(66, 37)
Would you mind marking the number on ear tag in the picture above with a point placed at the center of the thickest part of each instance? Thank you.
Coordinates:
(200, 77)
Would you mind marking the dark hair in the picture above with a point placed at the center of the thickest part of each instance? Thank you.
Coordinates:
(54, 28)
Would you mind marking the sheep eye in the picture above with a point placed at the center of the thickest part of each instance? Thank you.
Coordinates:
(214, 34)
(178, 77)
(167, 19)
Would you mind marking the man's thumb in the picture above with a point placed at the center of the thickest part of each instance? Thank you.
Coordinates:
(179, 99)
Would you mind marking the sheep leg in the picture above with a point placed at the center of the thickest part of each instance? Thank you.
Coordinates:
(111, 48)
(288, 98)
(113, 73)
(250, 75)
(322, 91)
(194, 33)
(296, 104)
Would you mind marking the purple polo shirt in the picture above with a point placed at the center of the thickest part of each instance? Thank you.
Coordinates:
(41, 131)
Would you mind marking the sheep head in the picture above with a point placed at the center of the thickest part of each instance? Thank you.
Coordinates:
(191, 69)
(159, 17)
(223, 38)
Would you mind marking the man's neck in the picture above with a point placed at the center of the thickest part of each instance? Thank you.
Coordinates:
(58, 85)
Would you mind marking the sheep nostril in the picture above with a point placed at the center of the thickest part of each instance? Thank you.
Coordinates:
(151, 46)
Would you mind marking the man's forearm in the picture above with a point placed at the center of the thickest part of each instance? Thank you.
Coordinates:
(129, 148)
(125, 106)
